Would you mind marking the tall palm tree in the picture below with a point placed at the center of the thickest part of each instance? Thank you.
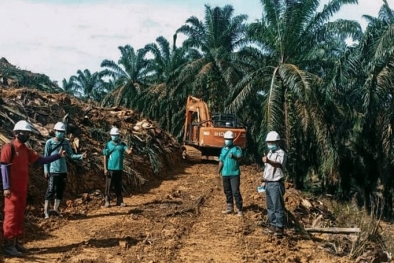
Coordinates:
(287, 65)
(91, 86)
(372, 68)
(70, 88)
(128, 75)
(163, 66)
(210, 43)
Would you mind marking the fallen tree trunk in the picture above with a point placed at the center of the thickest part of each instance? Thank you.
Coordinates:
(334, 230)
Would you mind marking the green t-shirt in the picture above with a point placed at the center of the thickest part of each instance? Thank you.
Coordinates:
(230, 165)
(114, 152)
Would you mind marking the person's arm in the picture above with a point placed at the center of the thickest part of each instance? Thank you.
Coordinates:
(70, 152)
(46, 153)
(5, 172)
(237, 155)
(220, 167)
(221, 157)
(49, 159)
(105, 160)
(277, 163)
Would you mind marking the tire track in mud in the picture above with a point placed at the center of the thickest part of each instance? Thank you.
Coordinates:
(214, 236)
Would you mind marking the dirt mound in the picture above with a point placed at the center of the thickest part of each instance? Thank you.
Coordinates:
(155, 151)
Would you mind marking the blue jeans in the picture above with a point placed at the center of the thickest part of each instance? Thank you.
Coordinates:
(231, 190)
(274, 192)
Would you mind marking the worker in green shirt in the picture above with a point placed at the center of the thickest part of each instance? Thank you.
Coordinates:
(56, 172)
(231, 173)
(113, 166)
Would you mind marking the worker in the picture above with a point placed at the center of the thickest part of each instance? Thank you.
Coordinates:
(113, 166)
(15, 159)
(273, 182)
(229, 169)
(56, 172)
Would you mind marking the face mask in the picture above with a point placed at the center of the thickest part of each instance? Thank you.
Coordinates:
(23, 137)
(228, 142)
(115, 137)
(59, 135)
(272, 147)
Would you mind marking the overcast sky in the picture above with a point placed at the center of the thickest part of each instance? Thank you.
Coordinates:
(59, 37)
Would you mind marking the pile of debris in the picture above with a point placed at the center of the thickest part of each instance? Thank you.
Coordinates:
(88, 125)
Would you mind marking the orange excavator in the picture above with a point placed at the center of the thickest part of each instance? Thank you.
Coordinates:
(203, 133)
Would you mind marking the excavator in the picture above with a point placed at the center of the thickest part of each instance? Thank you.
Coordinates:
(203, 133)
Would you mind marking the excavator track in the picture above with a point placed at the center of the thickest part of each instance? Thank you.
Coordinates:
(191, 154)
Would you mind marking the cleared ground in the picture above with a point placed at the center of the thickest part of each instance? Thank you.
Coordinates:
(177, 220)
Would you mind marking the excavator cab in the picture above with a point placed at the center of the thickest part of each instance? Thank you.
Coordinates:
(203, 133)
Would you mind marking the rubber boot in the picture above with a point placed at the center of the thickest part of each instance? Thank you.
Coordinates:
(119, 201)
(9, 248)
(19, 247)
(106, 202)
(240, 212)
(56, 207)
(46, 207)
(229, 209)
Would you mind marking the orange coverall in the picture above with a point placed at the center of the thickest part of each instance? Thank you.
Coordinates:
(14, 206)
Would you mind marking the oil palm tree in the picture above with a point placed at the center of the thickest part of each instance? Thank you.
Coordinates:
(210, 44)
(128, 75)
(163, 66)
(287, 65)
(372, 68)
(89, 85)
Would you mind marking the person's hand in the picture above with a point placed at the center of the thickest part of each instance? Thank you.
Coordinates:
(7, 193)
(263, 184)
(62, 152)
(264, 159)
(46, 175)
(231, 155)
(105, 172)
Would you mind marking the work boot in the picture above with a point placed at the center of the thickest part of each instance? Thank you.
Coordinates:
(229, 209)
(56, 207)
(10, 249)
(122, 204)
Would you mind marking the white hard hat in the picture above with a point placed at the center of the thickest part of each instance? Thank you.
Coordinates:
(60, 126)
(22, 126)
(229, 135)
(272, 137)
(114, 131)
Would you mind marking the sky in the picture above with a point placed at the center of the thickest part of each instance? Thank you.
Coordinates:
(59, 37)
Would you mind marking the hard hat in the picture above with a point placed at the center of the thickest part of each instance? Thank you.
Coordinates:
(272, 137)
(229, 135)
(60, 126)
(22, 126)
(114, 131)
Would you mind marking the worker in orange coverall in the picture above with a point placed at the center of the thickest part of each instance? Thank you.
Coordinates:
(15, 176)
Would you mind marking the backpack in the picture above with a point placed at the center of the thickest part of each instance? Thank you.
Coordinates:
(12, 158)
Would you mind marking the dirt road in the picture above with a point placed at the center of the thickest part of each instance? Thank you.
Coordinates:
(179, 220)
